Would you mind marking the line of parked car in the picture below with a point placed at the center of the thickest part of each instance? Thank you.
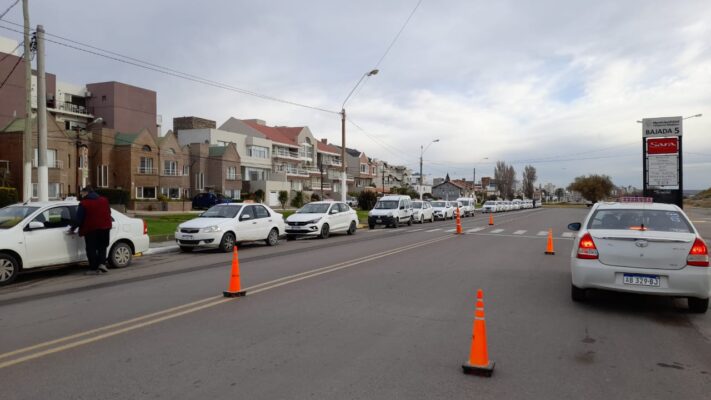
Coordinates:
(395, 210)
(495, 206)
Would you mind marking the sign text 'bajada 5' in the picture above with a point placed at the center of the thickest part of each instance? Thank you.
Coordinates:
(663, 146)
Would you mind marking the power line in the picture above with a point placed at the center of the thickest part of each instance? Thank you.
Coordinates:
(11, 72)
(11, 53)
(407, 21)
(9, 8)
(165, 70)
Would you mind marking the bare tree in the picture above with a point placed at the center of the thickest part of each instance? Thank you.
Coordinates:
(505, 176)
(529, 179)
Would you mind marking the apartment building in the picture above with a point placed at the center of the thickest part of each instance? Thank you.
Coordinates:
(363, 170)
(330, 167)
(391, 176)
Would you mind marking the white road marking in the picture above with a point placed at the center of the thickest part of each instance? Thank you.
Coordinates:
(434, 230)
(519, 232)
(542, 233)
(451, 230)
(567, 234)
(415, 230)
(481, 228)
(497, 231)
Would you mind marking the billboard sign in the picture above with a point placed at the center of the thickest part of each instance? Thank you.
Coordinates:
(663, 172)
(662, 127)
(663, 146)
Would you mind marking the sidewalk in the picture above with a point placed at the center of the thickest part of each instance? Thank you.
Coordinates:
(161, 247)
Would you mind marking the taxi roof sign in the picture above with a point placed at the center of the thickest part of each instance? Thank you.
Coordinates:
(636, 200)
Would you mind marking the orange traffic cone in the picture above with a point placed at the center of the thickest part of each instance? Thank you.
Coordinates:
(491, 219)
(549, 247)
(478, 362)
(459, 223)
(235, 289)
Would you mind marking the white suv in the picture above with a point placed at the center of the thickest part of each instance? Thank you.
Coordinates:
(34, 235)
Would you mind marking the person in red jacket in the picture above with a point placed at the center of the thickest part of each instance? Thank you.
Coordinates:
(94, 222)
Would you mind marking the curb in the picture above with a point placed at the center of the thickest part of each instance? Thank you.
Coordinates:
(160, 250)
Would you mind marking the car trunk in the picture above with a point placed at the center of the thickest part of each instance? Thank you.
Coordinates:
(642, 249)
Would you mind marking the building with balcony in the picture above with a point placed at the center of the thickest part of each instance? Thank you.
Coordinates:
(363, 170)
(330, 169)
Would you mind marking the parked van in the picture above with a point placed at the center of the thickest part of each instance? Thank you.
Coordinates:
(468, 206)
(391, 211)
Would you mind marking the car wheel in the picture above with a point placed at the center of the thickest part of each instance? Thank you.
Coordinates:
(432, 219)
(697, 305)
(371, 226)
(396, 224)
(9, 269)
(324, 231)
(352, 228)
(186, 249)
(422, 219)
(577, 294)
(227, 243)
(273, 237)
(120, 255)
(409, 221)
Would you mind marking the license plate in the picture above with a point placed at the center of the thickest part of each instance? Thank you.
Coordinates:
(378, 221)
(641, 280)
(187, 237)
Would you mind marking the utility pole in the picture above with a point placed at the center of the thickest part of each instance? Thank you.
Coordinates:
(42, 172)
(382, 168)
(27, 135)
(344, 184)
(421, 151)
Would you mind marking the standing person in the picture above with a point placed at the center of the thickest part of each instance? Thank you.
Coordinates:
(94, 222)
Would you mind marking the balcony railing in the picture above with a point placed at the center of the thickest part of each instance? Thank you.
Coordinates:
(283, 153)
(336, 175)
(317, 185)
(172, 172)
(69, 107)
(50, 164)
(146, 171)
(234, 177)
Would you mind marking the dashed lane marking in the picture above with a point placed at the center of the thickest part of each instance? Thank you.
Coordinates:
(481, 228)
(567, 234)
(542, 233)
(434, 230)
(497, 231)
(521, 232)
(450, 230)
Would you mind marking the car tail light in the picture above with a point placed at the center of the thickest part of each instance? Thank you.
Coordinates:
(699, 254)
(145, 227)
(586, 248)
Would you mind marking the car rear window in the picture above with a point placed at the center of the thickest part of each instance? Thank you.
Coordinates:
(641, 220)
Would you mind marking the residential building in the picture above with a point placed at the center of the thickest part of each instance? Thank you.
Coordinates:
(361, 168)
(215, 168)
(425, 187)
(174, 168)
(124, 108)
(452, 189)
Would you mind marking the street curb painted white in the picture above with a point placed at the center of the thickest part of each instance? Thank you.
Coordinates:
(161, 250)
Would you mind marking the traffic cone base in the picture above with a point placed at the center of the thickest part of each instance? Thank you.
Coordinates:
(486, 370)
(241, 293)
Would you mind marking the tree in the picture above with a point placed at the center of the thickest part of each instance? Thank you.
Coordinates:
(560, 193)
(592, 187)
(315, 197)
(298, 200)
(529, 179)
(367, 199)
(283, 198)
(259, 195)
(505, 175)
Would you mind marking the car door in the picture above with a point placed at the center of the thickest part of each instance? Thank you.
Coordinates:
(247, 224)
(264, 222)
(51, 244)
(345, 216)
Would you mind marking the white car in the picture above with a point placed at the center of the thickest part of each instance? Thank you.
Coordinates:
(391, 211)
(224, 225)
(321, 218)
(443, 209)
(468, 206)
(647, 248)
(422, 211)
(489, 207)
(517, 204)
(500, 206)
(35, 235)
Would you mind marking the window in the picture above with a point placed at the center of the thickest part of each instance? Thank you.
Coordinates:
(186, 170)
(171, 193)
(248, 211)
(258, 151)
(51, 159)
(255, 174)
(231, 173)
(343, 207)
(102, 175)
(364, 168)
(200, 181)
(54, 191)
(146, 192)
(171, 151)
(170, 168)
(56, 217)
(103, 99)
(146, 166)
(147, 148)
(261, 212)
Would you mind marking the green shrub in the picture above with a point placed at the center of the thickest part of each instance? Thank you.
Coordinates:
(367, 200)
(283, 198)
(315, 197)
(115, 196)
(298, 200)
(259, 195)
(8, 196)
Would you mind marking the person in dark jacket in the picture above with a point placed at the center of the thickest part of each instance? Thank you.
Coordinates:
(94, 222)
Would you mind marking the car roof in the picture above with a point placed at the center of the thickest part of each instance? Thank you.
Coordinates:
(636, 206)
(324, 202)
(47, 203)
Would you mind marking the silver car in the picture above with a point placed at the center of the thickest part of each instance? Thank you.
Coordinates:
(642, 247)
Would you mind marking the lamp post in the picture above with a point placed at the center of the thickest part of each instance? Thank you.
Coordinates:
(422, 152)
(344, 185)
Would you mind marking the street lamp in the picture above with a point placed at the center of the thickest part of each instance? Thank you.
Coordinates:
(422, 152)
(344, 185)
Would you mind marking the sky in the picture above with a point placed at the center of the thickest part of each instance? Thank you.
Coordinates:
(555, 84)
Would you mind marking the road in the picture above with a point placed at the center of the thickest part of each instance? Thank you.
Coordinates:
(384, 314)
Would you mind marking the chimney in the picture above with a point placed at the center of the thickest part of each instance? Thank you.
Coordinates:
(324, 141)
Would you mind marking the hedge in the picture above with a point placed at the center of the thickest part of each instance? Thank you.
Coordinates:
(8, 196)
(115, 196)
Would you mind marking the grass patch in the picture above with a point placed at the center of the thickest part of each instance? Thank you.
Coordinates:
(165, 224)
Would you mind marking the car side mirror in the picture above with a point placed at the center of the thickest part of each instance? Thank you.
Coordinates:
(36, 225)
(245, 217)
(334, 211)
(402, 207)
(575, 226)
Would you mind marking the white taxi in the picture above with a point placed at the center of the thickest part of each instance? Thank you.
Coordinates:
(422, 211)
(34, 235)
(224, 225)
(321, 218)
(642, 247)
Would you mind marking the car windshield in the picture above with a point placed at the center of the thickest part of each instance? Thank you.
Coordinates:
(416, 205)
(490, 203)
(439, 204)
(464, 202)
(317, 208)
(640, 220)
(386, 204)
(229, 211)
(13, 215)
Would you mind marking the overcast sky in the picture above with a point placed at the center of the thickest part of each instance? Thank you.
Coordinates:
(557, 84)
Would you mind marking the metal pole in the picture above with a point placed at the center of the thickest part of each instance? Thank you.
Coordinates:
(421, 151)
(344, 185)
(27, 135)
(42, 172)
(680, 192)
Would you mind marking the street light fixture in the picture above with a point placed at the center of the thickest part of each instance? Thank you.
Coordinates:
(422, 152)
(344, 185)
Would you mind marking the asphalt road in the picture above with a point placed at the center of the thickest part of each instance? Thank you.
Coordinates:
(384, 314)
